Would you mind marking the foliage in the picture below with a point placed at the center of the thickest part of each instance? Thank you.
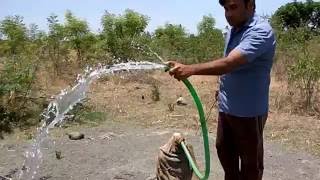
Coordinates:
(210, 42)
(170, 41)
(298, 14)
(120, 32)
(304, 72)
(78, 36)
(13, 32)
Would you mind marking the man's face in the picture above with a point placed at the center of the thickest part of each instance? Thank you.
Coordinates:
(237, 12)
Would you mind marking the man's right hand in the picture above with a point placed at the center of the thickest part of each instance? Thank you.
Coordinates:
(179, 71)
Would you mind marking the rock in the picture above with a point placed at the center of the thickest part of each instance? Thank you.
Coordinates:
(58, 155)
(181, 101)
(45, 177)
(171, 107)
(10, 175)
(108, 136)
(90, 138)
(75, 135)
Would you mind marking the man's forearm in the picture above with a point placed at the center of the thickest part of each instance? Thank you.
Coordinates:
(214, 67)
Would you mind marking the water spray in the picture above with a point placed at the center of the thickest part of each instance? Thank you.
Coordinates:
(68, 98)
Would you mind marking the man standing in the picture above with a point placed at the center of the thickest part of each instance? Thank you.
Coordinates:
(244, 89)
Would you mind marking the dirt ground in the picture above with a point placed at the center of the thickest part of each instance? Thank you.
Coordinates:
(125, 144)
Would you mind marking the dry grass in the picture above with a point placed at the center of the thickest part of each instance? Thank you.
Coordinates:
(121, 98)
(297, 132)
(128, 99)
(289, 122)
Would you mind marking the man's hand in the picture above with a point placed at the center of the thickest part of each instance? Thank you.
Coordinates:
(179, 71)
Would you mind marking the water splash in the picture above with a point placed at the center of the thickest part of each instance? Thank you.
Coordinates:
(147, 49)
(64, 102)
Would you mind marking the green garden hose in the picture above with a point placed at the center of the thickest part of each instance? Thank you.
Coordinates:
(204, 128)
(204, 134)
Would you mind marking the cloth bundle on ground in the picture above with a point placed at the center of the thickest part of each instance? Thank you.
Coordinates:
(172, 163)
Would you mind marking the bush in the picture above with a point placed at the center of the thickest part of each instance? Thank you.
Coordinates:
(298, 46)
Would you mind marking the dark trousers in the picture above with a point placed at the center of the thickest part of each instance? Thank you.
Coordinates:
(240, 139)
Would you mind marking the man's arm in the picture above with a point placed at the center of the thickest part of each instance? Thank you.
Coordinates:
(215, 67)
(220, 66)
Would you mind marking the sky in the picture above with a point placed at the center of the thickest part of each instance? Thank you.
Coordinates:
(186, 12)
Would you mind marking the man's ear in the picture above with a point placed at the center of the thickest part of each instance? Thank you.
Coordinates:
(251, 5)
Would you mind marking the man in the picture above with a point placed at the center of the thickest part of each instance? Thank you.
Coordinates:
(244, 89)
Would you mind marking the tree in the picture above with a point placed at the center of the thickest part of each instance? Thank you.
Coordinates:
(77, 33)
(13, 31)
(122, 31)
(56, 37)
(298, 14)
(18, 67)
(170, 41)
(297, 30)
(37, 42)
(304, 72)
(210, 39)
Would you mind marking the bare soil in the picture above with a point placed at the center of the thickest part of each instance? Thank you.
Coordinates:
(125, 144)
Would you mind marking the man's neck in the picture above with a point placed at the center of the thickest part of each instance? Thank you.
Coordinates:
(238, 28)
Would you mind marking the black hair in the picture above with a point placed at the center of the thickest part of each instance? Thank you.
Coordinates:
(221, 2)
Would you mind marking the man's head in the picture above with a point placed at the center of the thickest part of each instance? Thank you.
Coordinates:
(237, 12)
